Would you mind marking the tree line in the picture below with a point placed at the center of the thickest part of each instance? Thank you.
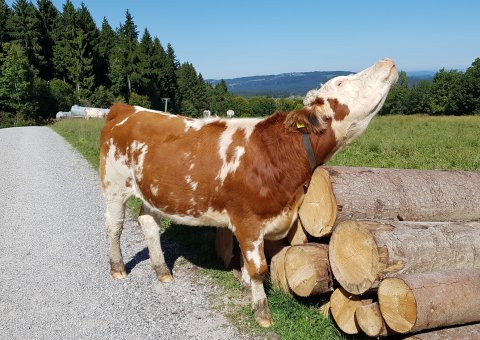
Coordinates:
(51, 59)
(451, 92)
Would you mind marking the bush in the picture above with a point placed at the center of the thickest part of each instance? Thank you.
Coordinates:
(102, 97)
(137, 99)
(63, 94)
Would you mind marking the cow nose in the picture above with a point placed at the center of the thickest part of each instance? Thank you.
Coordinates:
(387, 61)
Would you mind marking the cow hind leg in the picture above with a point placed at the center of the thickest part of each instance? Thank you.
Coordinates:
(256, 266)
(151, 230)
(114, 216)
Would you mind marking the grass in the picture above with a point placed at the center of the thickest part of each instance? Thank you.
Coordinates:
(419, 142)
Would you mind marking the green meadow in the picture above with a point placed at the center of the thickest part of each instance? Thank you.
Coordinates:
(419, 142)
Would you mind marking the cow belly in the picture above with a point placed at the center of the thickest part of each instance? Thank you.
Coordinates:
(209, 217)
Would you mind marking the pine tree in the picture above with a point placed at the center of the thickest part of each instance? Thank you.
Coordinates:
(73, 52)
(124, 63)
(24, 28)
(17, 84)
(145, 51)
(64, 36)
(192, 90)
(5, 14)
(47, 16)
(106, 44)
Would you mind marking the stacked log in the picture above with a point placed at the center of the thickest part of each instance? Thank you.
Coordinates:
(414, 302)
(337, 194)
(400, 247)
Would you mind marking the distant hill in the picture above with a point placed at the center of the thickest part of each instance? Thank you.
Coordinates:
(295, 83)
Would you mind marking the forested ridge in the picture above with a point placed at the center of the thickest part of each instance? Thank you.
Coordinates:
(53, 58)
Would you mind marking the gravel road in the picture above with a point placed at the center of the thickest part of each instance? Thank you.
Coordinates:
(54, 279)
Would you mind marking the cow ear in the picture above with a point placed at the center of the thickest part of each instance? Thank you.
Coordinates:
(306, 120)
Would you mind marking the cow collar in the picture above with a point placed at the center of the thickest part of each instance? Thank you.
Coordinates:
(308, 147)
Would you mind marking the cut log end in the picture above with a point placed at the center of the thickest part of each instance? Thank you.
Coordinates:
(318, 211)
(355, 266)
(370, 320)
(307, 269)
(397, 304)
(343, 306)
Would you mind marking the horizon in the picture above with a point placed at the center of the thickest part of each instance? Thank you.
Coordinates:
(232, 40)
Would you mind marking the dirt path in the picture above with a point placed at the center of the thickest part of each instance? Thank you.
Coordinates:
(54, 279)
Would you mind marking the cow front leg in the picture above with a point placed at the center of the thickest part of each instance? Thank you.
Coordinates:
(255, 265)
(151, 230)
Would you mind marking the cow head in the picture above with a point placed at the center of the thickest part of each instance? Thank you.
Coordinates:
(348, 103)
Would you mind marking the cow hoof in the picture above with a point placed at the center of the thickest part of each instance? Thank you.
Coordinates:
(119, 274)
(262, 313)
(165, 278)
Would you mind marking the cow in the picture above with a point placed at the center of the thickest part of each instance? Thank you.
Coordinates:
(230, 113)
(245, 174)
(206, 114)
(92, 112)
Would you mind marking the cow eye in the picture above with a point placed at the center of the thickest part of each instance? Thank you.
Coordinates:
(339, 82)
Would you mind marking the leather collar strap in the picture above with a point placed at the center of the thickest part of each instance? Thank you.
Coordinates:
(309, 149)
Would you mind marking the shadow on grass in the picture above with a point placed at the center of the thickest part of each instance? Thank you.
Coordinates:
(195, 244)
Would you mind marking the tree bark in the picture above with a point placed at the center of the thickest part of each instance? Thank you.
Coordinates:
(370, 320)
(465, 332)
(364, 252)
(336, 194)
(277, 272)
(297, 234)
(343, 306)
(414, 302)
(307, 269)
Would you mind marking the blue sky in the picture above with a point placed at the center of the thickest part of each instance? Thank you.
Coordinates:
(225, 39)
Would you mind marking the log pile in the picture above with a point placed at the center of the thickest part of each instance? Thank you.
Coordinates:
(398, 250)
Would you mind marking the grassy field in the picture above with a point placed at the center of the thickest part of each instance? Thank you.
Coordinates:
(420, 142)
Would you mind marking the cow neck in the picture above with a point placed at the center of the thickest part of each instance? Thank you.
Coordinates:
(285, 150)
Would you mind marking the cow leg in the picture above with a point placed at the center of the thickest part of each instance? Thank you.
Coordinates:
(114, 215)
(151, 230)
(256, 267)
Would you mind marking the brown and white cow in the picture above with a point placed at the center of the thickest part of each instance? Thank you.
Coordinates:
(247, 175)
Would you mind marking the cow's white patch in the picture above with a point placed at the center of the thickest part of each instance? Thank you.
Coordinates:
(142, 109)
(231, 167)
(226, 138)
(192, 183)
(123, 121)
(138, 167)
(154, 190)
(197, 124)
(191, 166)
(254, 255)
(245, 276)
(116, 171)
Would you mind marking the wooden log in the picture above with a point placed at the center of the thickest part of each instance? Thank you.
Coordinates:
(307, 269)
(297, 234)
(343, 306)
(227, 249)
(364, 252)
(318, 211)
(337, 194)
(464, 332)
(277, 272)
(410, 303)
(370, 320)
